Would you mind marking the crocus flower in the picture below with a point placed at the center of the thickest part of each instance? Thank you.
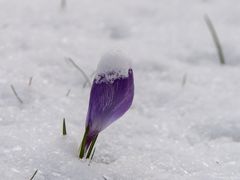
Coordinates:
(111, 96)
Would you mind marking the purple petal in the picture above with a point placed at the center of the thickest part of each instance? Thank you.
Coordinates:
(109, 100)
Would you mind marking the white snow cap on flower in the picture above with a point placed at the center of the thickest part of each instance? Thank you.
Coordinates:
(113, 65)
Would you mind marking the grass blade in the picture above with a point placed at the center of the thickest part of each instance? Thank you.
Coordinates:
(30, 81)
(16, 94)
(63, 4)
(184, 80)
(34, 174)
(68, 92)
(86, 82)
(64, 128)
(80, 70)
(215, 39)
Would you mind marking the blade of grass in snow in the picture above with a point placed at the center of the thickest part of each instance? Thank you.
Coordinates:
(16, 95)
(86, 82)
(104, 177)
(63, 4)
(184, 80)
(93, 73)
(215, 39)
(30, 81)
(34, 174)
(78, 68)
(64, 128)
(69, 91)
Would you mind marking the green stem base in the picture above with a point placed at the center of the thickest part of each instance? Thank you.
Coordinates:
(83, 150)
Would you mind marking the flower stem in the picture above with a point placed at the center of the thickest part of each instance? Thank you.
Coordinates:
(91, 147)
(82, 150)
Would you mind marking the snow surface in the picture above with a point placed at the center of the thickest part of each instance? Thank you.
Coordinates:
(185, 120)
(113, 65)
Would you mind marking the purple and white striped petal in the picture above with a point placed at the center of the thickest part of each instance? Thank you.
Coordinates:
(111, 94)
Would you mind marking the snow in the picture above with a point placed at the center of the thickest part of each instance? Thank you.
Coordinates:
(184, 122)
(113, 65)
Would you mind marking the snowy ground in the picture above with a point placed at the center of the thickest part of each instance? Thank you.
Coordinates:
(174, 131)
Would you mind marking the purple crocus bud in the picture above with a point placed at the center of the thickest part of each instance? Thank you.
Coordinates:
(111, 96)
